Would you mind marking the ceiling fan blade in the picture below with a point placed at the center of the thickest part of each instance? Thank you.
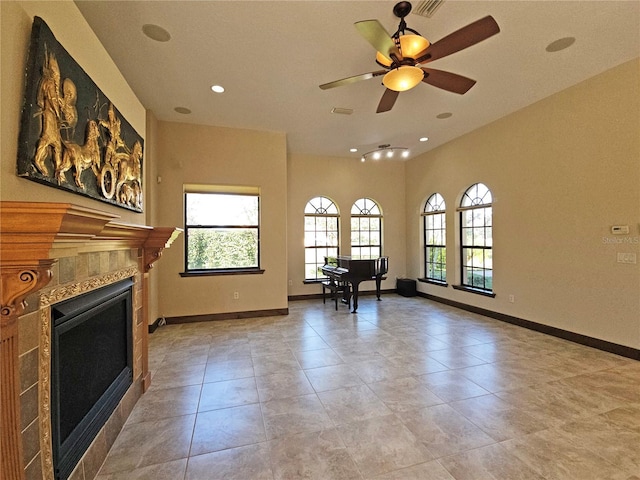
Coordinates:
(374, 33)
(387, 101)
(451, 82)
(460, 39)
(354, 79)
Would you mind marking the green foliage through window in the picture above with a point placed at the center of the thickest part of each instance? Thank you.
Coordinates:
(320, 235)
(366, 229)
(476, 232)
(435, 239)
(221, 231)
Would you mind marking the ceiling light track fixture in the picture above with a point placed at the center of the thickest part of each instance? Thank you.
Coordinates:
(385, 151)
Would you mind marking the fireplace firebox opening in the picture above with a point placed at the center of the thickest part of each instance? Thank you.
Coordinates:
(91, 368)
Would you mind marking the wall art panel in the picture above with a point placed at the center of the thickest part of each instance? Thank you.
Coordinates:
(71, 136)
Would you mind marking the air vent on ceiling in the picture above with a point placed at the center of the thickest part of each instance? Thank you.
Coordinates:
(427, 8)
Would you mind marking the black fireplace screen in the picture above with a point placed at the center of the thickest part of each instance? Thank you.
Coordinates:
(91, 368)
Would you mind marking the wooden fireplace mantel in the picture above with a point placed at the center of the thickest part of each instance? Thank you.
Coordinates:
(33, 236)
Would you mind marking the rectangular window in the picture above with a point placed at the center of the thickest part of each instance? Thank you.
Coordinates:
(435, 254)
(477, 258)
(320, 240)
(222, 230)
(366, 236)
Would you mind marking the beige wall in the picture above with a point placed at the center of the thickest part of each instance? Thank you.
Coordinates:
(195, 154)
(344, 180)
(74, 34)
(562, 172)
(151, 206)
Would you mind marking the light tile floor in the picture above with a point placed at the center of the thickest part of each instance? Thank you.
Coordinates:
(404, 389)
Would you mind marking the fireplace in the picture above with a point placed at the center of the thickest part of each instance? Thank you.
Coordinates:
(91, 368)
(51, 253)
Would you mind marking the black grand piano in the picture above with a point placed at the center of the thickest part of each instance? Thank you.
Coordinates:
(344, 271)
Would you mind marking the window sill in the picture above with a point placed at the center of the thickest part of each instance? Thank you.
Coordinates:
(230, 271)
(433, 282)
(477, 291)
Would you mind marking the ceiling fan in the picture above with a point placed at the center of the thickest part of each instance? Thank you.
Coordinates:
(402, 54)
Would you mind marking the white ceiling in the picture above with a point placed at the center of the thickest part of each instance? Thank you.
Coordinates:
(272, 55)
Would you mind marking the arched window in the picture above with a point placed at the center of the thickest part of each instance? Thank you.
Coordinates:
(476, 238)
(366, 229)
(435, 239)
(320, 235)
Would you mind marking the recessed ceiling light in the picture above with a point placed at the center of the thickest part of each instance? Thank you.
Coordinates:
(560, 44)
(353, 150)
(217, 88)
(444, 115)
(182, 110)
(156, 32)
(424, 139)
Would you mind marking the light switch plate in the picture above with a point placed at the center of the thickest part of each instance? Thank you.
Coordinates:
(620, 229)
(627, 258)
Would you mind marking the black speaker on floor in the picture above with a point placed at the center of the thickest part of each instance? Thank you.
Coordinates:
(406, 287)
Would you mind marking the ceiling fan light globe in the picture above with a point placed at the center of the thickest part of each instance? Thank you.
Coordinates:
(403, 78)
(382, 60)
(412, 45)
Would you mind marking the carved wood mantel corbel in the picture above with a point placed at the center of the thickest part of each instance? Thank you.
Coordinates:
(17, 282)
(32, 236)
(156, 242)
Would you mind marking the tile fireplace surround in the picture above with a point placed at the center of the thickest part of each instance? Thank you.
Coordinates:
(51, 252)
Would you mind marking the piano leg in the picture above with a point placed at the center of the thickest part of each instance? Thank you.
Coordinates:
(346, 294)
(378, 283)
(356, 286)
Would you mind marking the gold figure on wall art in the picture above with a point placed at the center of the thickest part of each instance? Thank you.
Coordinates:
(121, 174)
(49, 101)
(112, 125)
(68, 107)
(129, 170)
(81, 157)
(57, 112)
(72, 137)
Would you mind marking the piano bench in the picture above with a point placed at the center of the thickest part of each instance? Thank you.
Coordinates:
(335, 289)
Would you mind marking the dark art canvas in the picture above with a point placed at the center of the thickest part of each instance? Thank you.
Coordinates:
(71, 136)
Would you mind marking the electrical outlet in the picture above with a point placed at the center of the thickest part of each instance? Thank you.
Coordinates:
(512, 298)
(290, 283)
(236, 295)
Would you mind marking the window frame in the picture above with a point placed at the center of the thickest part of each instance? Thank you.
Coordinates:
(479, 203)
(365, 211)
(435, 206)
(321, 210)
(227, 191)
